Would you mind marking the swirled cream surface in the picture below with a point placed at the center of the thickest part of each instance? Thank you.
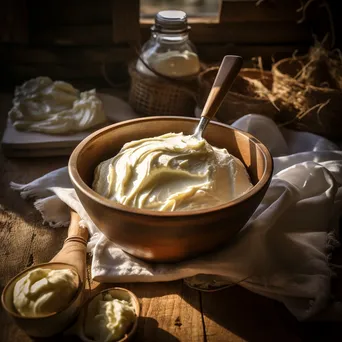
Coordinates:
(41, 105)
(108, 318)
(44, 291)
(171, 172)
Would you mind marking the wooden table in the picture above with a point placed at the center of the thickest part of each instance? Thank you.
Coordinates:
(169, 311)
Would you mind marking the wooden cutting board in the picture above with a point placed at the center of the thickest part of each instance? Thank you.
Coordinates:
(31, 144)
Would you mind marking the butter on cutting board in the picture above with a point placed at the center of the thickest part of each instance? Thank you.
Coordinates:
(33, 144)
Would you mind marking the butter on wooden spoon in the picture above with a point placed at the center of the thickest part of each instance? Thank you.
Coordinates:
(37, 311)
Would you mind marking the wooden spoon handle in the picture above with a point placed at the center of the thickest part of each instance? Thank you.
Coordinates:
(75, 231)
(225, 77)
(74, 249)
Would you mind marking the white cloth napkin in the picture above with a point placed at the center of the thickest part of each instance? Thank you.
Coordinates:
(282, 252)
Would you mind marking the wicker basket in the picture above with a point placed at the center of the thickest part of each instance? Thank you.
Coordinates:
(305, 107)
(155, 95)
(250, 93)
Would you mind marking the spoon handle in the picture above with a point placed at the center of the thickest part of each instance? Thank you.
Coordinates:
(74, 249)
(225, 77)
(75, 231)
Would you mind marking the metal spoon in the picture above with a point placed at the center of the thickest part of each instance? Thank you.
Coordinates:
(225, 77)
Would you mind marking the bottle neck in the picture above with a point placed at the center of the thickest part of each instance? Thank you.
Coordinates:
(170, 38)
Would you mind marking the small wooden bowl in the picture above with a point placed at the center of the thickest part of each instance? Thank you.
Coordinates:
(53, 323)
(116, 293)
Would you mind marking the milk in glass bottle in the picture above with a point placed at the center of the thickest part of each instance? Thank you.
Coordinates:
(169, 52)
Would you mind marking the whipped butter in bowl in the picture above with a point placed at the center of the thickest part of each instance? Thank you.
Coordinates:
(136, 162)
(111, 315)
(44, 299)
(55, 107)
(171, 172)
(43, 291)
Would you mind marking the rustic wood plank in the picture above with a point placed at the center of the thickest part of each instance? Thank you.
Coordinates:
(211, 53)
(16, 238)
(251, 33)
(84, 66)
(238, 33)
(54, 71)
(96, 35)
(83, 12)
(5, 33)
(20, 224)
(169, 311)
(64, 55)
(81, 84)
(19, 21)
(13, 21)
(66, 12)
(320, 331)
(9, 331)
(72, 56)
(243, 11)
(281, 32)
(118, 73)
(126, 24)
(235, 315)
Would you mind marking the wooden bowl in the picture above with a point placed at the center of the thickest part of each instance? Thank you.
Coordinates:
(168, 236)
(47, 325)
(116, 293)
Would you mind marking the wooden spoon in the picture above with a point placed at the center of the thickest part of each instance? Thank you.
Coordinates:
(225, 77)
(72, 256)
(74, 249)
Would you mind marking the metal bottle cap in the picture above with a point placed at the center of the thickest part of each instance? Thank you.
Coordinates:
(171, 21)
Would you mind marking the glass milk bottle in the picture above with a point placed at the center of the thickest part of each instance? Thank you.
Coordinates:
(169, 52)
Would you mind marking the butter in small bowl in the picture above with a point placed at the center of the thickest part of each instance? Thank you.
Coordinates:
(111, 315)
(44, 299)
(43, 291)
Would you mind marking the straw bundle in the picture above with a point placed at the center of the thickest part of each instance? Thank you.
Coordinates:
(308, 90)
